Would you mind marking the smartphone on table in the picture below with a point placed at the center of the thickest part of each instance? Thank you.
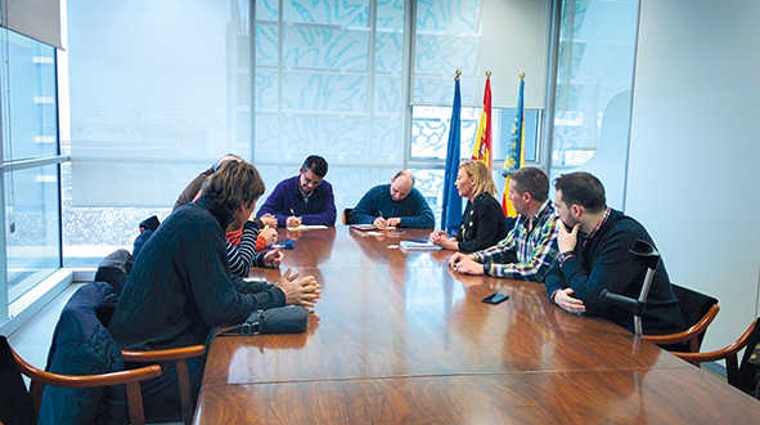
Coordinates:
(496, 298)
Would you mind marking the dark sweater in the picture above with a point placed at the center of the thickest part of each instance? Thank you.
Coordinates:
(483, 224)
(180, 286)
(413, 210)
(604, 262)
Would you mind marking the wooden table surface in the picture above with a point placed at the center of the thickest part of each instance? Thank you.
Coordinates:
(400, 338)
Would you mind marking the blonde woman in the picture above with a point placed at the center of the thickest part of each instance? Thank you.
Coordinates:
(483, 222)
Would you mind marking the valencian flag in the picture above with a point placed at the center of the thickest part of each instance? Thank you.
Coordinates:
(515, 150)
(481, 149)
(452, 202)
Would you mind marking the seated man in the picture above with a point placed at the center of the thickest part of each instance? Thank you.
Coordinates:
(303, 199)
(179, 287)
(531, 245)
(397, 204)
(598, 258)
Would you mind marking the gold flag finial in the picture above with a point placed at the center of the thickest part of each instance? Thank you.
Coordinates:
(488, 73)
(457, 74)
(522, 75)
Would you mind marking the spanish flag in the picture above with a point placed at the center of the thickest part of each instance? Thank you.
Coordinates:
(481, 149)
(515, 150)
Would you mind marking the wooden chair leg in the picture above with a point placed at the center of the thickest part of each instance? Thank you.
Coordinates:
(35, 391)
(183, 380)
(134, 399)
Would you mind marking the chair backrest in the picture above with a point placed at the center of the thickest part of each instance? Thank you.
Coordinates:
(746, 376)
(347, 217)
(83, 346)
(694, 306)
(15, 402)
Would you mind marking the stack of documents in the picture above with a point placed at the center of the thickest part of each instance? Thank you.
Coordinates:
(418, 245)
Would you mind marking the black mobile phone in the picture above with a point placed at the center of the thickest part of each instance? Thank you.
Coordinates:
(496, 298)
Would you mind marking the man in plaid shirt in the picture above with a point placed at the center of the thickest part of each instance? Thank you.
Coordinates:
(531, 246)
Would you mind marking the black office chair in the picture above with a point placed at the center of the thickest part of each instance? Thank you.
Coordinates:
(745, 375)
(347, 217)
(698, 311)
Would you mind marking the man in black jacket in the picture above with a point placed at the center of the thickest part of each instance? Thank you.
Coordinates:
(180, 286)
(593, 245)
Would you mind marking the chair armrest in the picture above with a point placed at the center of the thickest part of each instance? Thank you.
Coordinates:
(164, 355)
(86, 381)
(691, 332)
(729, 350)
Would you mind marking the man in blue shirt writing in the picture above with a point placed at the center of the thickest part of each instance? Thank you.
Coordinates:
(397, 204)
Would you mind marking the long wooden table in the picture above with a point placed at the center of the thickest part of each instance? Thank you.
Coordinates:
(399, 338)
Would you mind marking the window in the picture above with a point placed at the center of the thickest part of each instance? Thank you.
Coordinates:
(30, 247)
(155, 101)
(593, 91)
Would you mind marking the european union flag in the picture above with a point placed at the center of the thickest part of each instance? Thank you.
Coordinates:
(452, 202)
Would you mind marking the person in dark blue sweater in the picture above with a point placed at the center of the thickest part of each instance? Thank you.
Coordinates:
(180, 286)
(593, 244)
(397, 204)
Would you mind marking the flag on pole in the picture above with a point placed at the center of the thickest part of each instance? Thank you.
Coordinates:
(481, 148)
(451, 215)
(515, 152)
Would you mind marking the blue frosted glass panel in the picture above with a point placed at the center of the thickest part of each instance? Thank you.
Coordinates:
(266, 90)
(390, 14)
(267, 39)
(267, 10)
(387, 143)
(340, 136)
(430, 184)
(389, 50)
(389, 95)
(341, 12)
(452, 17)
(325, 48)
(430, 131)
(325, 92)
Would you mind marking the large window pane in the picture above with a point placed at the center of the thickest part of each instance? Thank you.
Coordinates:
(31, 227)
(593, 93)
(29, 102)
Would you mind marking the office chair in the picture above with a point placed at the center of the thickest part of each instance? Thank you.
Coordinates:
(82, 345)
(744, 375)
(347, 218)
(698, 311)
(39, 379)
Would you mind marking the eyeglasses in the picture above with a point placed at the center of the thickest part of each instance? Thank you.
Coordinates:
(310, 182)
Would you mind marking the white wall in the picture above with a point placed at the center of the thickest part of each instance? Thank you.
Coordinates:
(694, 153)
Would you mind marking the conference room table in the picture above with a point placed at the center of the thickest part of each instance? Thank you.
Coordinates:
(400, 338)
